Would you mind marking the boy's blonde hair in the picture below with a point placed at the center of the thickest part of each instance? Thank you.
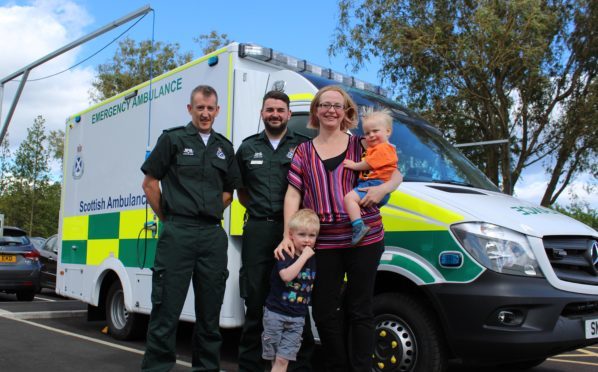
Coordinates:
(381, 115)
(304, 218)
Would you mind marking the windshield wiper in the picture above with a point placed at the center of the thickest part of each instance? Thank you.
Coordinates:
(453, 182)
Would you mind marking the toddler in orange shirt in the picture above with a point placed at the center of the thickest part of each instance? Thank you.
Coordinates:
(376, 166)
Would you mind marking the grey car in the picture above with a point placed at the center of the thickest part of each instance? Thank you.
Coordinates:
(37, 241)
(19, 264)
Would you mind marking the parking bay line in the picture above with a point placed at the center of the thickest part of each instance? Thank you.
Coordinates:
(44, 299)
(9, 315)
(571, 361)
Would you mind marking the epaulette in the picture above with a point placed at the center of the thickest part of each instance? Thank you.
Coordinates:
(174, 128)
(250, 137)
(222, 137)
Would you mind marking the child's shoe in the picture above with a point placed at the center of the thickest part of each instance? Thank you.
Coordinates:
(359, 231)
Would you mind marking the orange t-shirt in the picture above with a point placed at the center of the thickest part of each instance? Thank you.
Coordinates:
(383, 159)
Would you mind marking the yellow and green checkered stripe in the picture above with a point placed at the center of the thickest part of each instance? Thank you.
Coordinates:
(90, 239)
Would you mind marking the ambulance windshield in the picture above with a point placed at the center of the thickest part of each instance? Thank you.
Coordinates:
(424, 155)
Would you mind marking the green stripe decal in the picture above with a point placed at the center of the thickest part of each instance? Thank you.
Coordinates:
(429, 244)
(411, 266)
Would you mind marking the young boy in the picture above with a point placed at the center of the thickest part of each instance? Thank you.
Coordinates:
(290, 293)
(376, 167)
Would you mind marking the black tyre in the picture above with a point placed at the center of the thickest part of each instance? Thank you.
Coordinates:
(26, 295)
(407, 336)
(122, 324)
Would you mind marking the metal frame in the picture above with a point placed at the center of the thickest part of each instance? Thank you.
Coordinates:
(25, 70)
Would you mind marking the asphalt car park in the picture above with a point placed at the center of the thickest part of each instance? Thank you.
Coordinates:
(52, 333)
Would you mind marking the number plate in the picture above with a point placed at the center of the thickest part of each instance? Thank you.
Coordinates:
(592, 328)
(10, 258)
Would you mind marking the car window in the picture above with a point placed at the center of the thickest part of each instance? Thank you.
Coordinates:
(50, 245)
(13, 240)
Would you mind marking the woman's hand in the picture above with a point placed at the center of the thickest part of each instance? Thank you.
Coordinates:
(285, 245)
(373, 196)
(376, 193)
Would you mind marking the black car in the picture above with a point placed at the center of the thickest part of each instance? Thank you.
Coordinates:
(48, 255)
(19, 264)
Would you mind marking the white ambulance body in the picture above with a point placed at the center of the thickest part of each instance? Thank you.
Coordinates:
(467, 273)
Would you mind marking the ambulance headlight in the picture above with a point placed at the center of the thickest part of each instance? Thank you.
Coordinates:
(497, 248)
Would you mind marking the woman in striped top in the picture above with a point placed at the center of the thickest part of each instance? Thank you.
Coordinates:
(319, 181)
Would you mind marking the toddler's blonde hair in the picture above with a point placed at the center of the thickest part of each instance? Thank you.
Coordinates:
(381, 115)
(304, 219)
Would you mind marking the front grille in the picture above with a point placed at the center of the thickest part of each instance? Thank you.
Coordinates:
(581, 309)
(573, 259)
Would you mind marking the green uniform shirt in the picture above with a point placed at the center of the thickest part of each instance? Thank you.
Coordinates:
(193, 175)
(264, 171)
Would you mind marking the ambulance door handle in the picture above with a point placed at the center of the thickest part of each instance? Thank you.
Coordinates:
(74, 247)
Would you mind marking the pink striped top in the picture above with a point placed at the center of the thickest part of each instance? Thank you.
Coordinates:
(323, 191)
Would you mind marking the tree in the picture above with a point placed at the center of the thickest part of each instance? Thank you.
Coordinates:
(485, 70)
(580, 211)
(576, 143)
(212, 41)
(4, 164)
(131, 65)
(56, 146)
(30, 176)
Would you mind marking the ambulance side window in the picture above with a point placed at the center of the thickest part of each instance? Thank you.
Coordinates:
(298, 123)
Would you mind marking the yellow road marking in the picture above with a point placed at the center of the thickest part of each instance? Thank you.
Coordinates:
(584, 353)
(572, 362)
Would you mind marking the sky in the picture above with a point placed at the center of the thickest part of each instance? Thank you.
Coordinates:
(30, 30)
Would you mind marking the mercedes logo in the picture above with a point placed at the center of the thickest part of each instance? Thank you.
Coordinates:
(592, 256)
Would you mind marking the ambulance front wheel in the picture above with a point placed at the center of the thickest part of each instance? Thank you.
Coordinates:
(407, 336)
(122, 324)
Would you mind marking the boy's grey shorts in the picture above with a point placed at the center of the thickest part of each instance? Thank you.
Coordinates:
(282, 335)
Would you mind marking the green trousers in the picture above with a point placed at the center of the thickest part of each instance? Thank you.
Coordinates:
(260, 238)
(187, 253)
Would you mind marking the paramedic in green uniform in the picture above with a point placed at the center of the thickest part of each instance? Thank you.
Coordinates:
(264, 161)
(196, 169)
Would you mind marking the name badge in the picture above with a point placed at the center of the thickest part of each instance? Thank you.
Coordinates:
(257, 162)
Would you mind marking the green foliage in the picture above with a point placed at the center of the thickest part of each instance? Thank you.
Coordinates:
(212, 41)
(31, 158)
(4, 163)
(56, 146)
(56, 143)
(131, 64)
(581, 211)
(28, 199)
(485, 70)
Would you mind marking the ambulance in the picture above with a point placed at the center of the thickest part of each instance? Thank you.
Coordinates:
(468, 273)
